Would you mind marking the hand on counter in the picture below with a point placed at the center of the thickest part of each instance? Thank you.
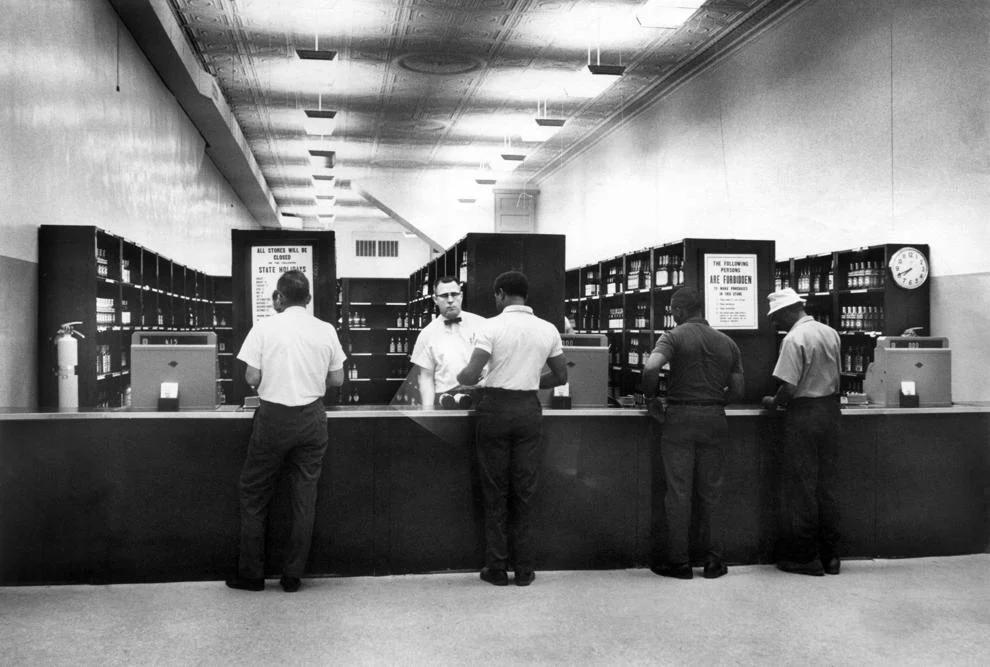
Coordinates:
(655, 408)
(768, 403)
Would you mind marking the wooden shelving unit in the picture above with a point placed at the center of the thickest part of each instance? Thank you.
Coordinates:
(627, 298)
(475, 261)
(114, 287)
(375, 332)
(853, 292)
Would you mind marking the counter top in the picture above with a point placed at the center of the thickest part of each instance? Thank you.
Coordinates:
(382, 411)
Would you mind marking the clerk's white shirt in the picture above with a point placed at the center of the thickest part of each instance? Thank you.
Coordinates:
(446, 349)
(520, 343)
(294, 352)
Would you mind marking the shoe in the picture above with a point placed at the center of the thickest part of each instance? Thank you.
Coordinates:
(715, 569)
(812, 568)
(524, 577)
(675, 571)
(290, 584)
(494, 577)
(245, 584)
(832, 565)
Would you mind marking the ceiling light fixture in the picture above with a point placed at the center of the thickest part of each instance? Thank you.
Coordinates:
(543, 126)
(323, 159)
(319, 121)
(316, 53)
(507, 159)
(603, 70)
(669, 14)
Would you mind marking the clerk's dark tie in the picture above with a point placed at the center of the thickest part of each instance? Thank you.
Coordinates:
(453, 320)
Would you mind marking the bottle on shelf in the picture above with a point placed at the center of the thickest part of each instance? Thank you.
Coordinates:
(463, 269)
(590, 283)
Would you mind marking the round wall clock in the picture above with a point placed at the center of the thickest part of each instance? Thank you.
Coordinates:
(909, 267)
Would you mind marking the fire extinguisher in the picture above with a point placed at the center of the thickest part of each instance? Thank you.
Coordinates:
(67, 356)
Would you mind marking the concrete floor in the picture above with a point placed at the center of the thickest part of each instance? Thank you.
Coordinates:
(905, 612)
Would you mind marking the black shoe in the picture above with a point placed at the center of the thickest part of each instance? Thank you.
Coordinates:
(524, 577)
(812, 568)
(495, 577)
(290, 584)
(715, 569)
(244, 584)
(675, 571)
(831, 565)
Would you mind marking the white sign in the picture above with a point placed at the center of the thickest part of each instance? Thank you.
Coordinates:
(268, 263)
(730, 291)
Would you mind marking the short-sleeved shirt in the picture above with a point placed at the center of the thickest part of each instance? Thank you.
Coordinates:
(810, 359)
(520, 343)
(446, 349)
(294, 352)
(701, 361)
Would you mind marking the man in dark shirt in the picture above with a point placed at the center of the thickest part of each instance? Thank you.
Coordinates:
(705, 371)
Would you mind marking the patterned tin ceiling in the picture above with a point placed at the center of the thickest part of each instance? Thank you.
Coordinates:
(441, 84)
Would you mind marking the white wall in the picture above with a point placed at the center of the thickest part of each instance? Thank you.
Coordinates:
(848, 123)
(74, 150)
(413, 251)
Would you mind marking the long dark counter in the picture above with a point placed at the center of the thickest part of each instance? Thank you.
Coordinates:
(137, 497)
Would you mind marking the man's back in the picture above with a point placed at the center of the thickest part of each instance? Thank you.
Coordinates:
(294, 351)
(520, 344)
(701, 361)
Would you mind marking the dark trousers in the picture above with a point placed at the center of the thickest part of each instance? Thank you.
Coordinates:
(508, 444)
(692, 447)
(809, 515)
(297, 438)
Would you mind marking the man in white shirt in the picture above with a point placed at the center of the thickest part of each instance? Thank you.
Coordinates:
(515, 344)
(292, 358)
(444, 346)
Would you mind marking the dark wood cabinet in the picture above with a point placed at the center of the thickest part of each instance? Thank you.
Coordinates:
(627, 298)
(113, 287)
(477, 259)
(854, 292)
(375, 335)
(248, 290)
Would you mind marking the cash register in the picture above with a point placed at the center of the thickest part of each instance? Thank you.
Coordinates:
(923, 362)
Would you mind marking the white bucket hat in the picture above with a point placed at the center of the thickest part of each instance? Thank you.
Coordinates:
(782, 298)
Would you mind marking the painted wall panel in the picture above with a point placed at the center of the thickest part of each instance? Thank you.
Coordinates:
(845, 124)
(75, 150)
(78, 151)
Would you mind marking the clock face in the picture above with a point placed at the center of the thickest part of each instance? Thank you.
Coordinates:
(909, 267)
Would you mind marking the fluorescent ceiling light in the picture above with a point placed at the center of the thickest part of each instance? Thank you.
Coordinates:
(467, 200)
(319, 121)
(323, 183)
(541, 129)
(316, 54)
(508, 161)
(322, 159)
(485, 180)
(667, 13)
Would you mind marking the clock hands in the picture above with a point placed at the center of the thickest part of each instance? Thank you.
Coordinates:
(905, 271)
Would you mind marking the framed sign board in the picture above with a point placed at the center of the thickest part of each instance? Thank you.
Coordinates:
(731, 295)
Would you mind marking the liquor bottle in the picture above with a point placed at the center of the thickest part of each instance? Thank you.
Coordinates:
(463, 272)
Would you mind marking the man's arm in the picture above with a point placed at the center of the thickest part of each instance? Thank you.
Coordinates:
(737, 387)
(252, 376)
(427, 389)
(651, 373)
(471, 373)
(783, 396)
(558, 372)
(335, 378)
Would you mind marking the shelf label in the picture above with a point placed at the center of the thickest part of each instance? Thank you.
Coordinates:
(268, 263)
(731, 299)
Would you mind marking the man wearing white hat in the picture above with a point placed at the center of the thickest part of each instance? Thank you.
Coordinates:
(808, 371)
